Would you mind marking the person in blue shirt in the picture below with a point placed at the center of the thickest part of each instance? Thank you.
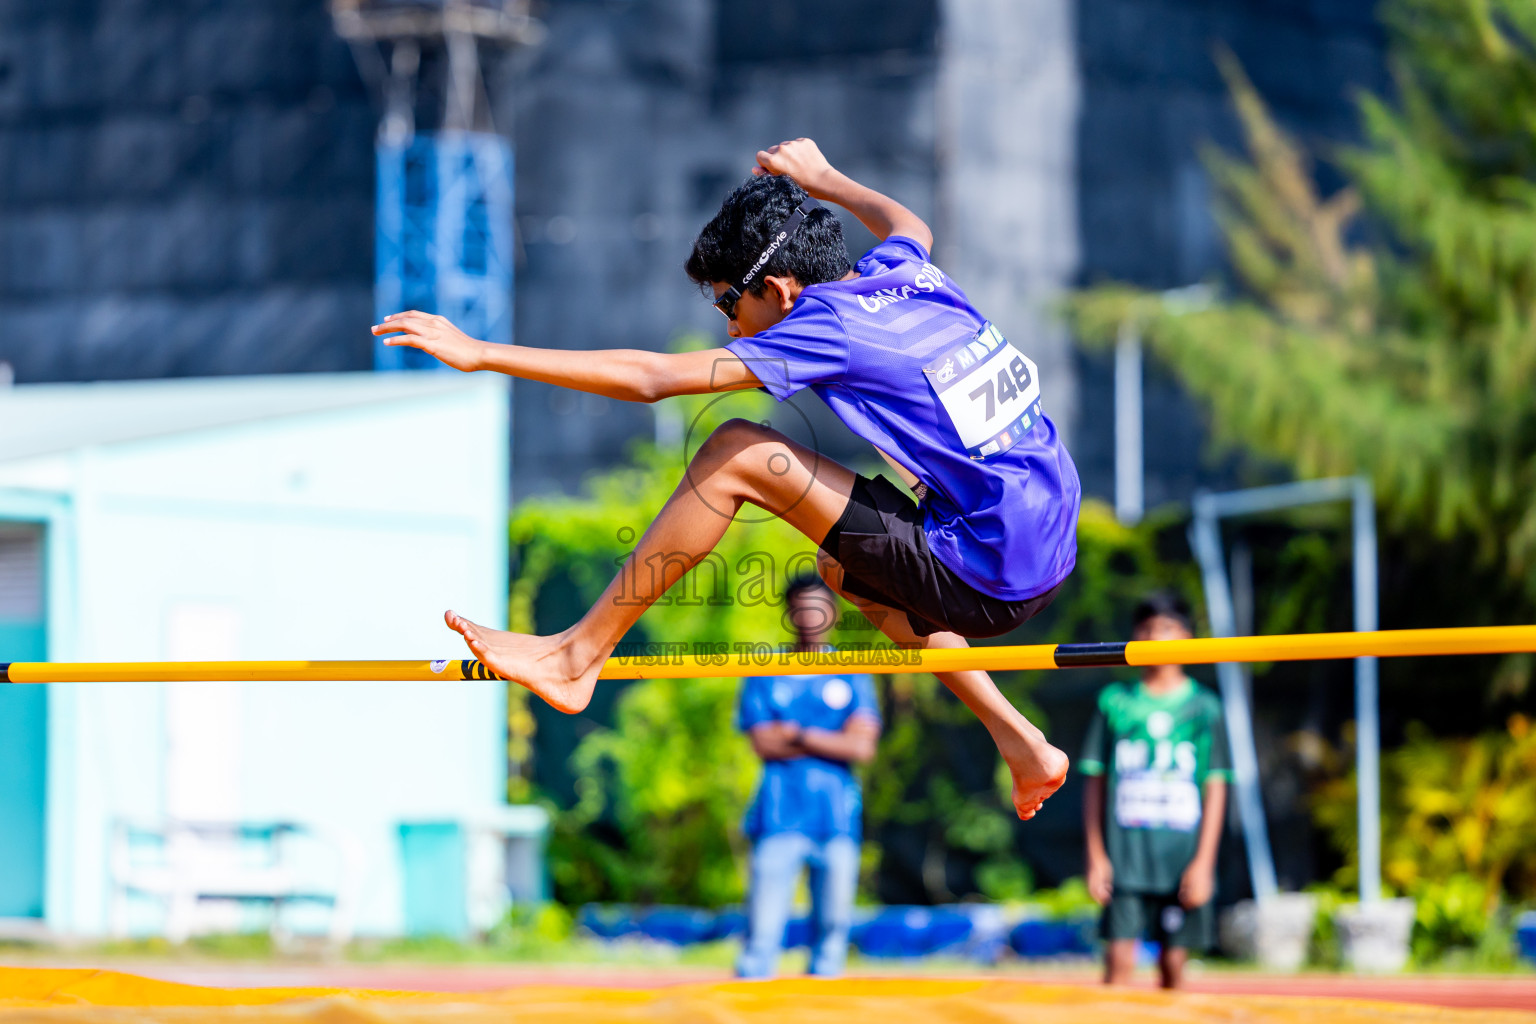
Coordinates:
(807, 815)
(980, 540)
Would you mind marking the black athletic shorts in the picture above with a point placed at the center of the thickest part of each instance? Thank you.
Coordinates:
(880, 544)
(1160, 918)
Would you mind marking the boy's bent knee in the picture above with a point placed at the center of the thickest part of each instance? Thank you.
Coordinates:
(749, 449)
(735, 435)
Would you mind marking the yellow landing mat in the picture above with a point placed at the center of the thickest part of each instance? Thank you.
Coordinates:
(108, 997)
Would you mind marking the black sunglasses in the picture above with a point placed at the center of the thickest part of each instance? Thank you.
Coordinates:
(726, 303)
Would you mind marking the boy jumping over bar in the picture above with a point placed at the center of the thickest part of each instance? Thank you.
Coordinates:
(896, 350)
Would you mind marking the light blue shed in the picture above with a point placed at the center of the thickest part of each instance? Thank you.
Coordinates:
(324, 516)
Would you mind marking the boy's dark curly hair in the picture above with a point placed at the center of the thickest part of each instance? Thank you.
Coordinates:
(732, 241)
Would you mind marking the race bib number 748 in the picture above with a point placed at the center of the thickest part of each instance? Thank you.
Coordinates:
(990, 390)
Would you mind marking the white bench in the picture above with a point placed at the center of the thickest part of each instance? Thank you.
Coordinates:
(188, 865)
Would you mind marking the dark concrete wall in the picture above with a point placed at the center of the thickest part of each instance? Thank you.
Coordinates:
(185, 188)
(632, 124)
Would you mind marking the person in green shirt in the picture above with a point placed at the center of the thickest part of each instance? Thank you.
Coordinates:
(1157, 762)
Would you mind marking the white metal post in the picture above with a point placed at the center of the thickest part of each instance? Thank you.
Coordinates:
(1367, 700)
(1130, 503)
(1205, 538)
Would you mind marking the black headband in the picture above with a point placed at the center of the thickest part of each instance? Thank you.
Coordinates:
(786, 231)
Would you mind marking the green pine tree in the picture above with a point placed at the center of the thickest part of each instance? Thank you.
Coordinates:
(1390, 328)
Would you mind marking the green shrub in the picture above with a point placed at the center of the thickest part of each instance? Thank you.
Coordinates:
(1068, 901)
(1458, 834)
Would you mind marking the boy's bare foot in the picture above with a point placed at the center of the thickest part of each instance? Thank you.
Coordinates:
(1038, 770)
(547, 665)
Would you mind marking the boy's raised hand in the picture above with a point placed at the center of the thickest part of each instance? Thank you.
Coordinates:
(801, 160)
(434, 335)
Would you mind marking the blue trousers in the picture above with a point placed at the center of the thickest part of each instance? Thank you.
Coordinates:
(834, 876)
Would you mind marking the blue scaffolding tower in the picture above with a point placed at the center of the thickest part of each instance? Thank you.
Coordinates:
(443, 236)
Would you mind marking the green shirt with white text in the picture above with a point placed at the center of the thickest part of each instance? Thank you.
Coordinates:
(1155, 752)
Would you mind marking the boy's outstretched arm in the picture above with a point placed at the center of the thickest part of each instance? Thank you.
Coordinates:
(803, 162)
(633, 375)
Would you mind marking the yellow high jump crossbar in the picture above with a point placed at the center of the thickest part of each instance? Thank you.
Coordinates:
(682, 660)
